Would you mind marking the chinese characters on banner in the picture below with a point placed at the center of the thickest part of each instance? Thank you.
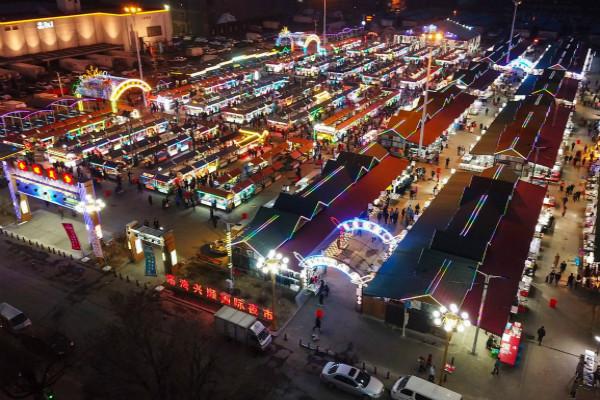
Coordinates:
(215, 296)
(75, 245)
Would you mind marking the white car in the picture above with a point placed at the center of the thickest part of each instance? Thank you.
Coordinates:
(352, 380)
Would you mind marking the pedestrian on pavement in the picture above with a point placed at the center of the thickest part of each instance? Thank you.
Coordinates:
(421, 361)
(557, 276)
(496, 370)
(556, 260)
(550, 278)
(321, 296)
(540, 335)
(326, 289)
(564, 211)
(570, 281)
(563, 266)
(562, 186)
(429, 361)
(431, 377)
(447, 162)
(150, 199)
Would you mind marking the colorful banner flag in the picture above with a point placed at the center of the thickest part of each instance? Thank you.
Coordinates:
(75, 245)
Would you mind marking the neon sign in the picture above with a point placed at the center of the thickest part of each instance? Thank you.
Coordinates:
(40, 25)
(224, 298)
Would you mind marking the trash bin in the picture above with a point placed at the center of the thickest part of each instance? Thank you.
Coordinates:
(553, 303)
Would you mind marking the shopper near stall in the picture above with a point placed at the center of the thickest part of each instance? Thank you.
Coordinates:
(556, 260)
(496, 370)
(431, 377)
(541, 332)
(570, 281)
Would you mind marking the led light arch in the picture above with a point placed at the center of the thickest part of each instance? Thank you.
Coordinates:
(299, 38)
(383, 234)
(318, 260)
(124, 86)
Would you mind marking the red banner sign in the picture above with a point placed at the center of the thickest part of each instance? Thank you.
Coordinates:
(75, 245)
(215, 296)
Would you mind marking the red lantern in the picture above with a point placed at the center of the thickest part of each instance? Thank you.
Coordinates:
(68, 179)
(22, 165)
(37, 169)
(51, 173)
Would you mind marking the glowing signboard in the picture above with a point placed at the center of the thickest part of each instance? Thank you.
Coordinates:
(44, 25)
(211, 294)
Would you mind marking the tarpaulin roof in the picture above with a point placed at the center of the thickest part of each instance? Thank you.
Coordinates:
(348, 205)
(550, 137)
(398, 277)
(514, 233)
(485, 80)
(489, 141)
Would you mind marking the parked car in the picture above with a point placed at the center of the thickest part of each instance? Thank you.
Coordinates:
(218, 247)
(55, 344)
(415, 388)
(13, 319)
(352, 380)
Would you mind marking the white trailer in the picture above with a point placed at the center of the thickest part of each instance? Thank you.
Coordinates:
(28, 70)
(102, 60)
(76, 65)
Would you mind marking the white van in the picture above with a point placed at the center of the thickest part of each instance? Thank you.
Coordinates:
(414, 388)
(12, 318)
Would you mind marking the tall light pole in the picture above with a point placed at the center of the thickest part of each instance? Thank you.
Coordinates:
(452, 321)
(274, 263)
(324, 22)
(486, 284)
(133, 11)
(431, 39)
(512, 29)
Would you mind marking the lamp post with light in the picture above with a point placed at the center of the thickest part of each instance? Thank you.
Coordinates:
(133, 10)
(517, 3)
(431, 39)
(274, 263)
(452, 321)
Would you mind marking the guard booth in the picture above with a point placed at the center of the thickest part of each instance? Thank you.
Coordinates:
(155, 246)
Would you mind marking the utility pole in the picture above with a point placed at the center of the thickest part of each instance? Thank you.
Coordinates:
(486, 283)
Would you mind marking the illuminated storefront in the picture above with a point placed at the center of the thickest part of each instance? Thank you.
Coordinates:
(31, 36)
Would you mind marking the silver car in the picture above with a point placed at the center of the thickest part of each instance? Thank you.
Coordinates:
(352, 380)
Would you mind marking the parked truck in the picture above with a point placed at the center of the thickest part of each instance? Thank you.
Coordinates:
(30, 71)
(242, 327)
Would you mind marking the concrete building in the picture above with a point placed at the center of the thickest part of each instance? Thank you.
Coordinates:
(70, 28)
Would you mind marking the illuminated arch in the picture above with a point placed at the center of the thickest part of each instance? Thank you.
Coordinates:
(312, 38)
(383, 234)
(124, 86)
(317, 260)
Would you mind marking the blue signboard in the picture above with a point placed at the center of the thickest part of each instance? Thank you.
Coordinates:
(150, 259)
(47, 192)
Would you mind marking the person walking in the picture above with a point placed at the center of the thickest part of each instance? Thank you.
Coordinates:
(563, 266)
(447, 162)
(321, 296)
(564, 211)
(570, 281)
(496, 370)
(431, 377)
(540, 335)
(556, 260)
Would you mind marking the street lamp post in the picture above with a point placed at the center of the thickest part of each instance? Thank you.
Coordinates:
(452, 321)
(324, 22)
(274, 263)
(486, 284)
(512, 30)
(134, 10)
(431, 39)
(229, 244)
